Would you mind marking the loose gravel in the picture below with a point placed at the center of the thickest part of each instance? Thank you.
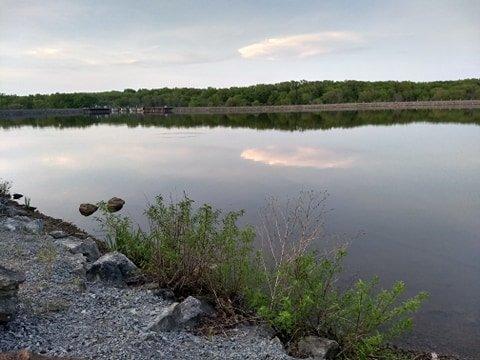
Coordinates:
(62, 314)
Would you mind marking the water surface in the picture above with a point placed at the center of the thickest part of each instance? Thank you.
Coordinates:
(408, 181)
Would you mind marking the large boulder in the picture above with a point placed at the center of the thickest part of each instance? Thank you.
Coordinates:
(9, 283)
(115, 204)
(317, 348)
(87, 247)
(22, 224)
(87, 209)
(114, 268)
(181, 315)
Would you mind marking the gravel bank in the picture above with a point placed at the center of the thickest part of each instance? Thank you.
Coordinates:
(60, 313)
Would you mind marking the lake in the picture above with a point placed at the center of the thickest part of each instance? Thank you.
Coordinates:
(404, 187)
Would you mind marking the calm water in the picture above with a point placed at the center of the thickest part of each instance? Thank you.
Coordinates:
(412, 189)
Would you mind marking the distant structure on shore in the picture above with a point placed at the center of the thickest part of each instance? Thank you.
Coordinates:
(141, 110)
(127, 110)
(262, 109)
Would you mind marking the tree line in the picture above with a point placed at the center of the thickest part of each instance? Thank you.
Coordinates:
(285, 93)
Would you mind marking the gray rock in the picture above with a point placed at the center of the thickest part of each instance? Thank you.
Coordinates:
(86, 247)
(115, 204)
(87, 209)
(22, 224)
(181, 315)
(9, 283)
(58, 234)
(318, 348)
(113, 268)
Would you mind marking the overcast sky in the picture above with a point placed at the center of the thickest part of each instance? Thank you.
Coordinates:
(49, 46)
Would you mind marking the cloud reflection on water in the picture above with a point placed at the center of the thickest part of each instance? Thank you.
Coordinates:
(314, 157)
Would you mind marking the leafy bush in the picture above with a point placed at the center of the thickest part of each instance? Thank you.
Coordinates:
(200, 252)
(368, 318)
(361, 319)
(190, 251)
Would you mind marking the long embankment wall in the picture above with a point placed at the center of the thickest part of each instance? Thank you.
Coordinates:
(407, 105)
(38, 113)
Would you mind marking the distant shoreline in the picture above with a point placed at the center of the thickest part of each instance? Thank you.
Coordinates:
(372, 106)
(406, 105)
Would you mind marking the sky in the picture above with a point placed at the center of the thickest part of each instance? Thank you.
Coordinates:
(71, 46)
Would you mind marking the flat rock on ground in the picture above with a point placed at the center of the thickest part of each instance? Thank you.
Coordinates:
(60, 313)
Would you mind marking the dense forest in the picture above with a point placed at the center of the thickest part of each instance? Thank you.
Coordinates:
(285, 93)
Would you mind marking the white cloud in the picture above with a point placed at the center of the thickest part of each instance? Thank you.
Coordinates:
(302, 46)
(314, 157)
(45, 53)
(77, 54)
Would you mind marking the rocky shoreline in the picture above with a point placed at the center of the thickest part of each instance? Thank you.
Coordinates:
(74, 301)
(69, 307)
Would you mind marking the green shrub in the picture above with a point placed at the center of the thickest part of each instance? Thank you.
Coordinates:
(367, 318)
(307, 302)
(304, 297)
(191, 251)
(199, 251)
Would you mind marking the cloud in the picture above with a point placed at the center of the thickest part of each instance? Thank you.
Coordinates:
(72, 54)
(315, 157)
(45, 53)
(302, 46)
(76, 54)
